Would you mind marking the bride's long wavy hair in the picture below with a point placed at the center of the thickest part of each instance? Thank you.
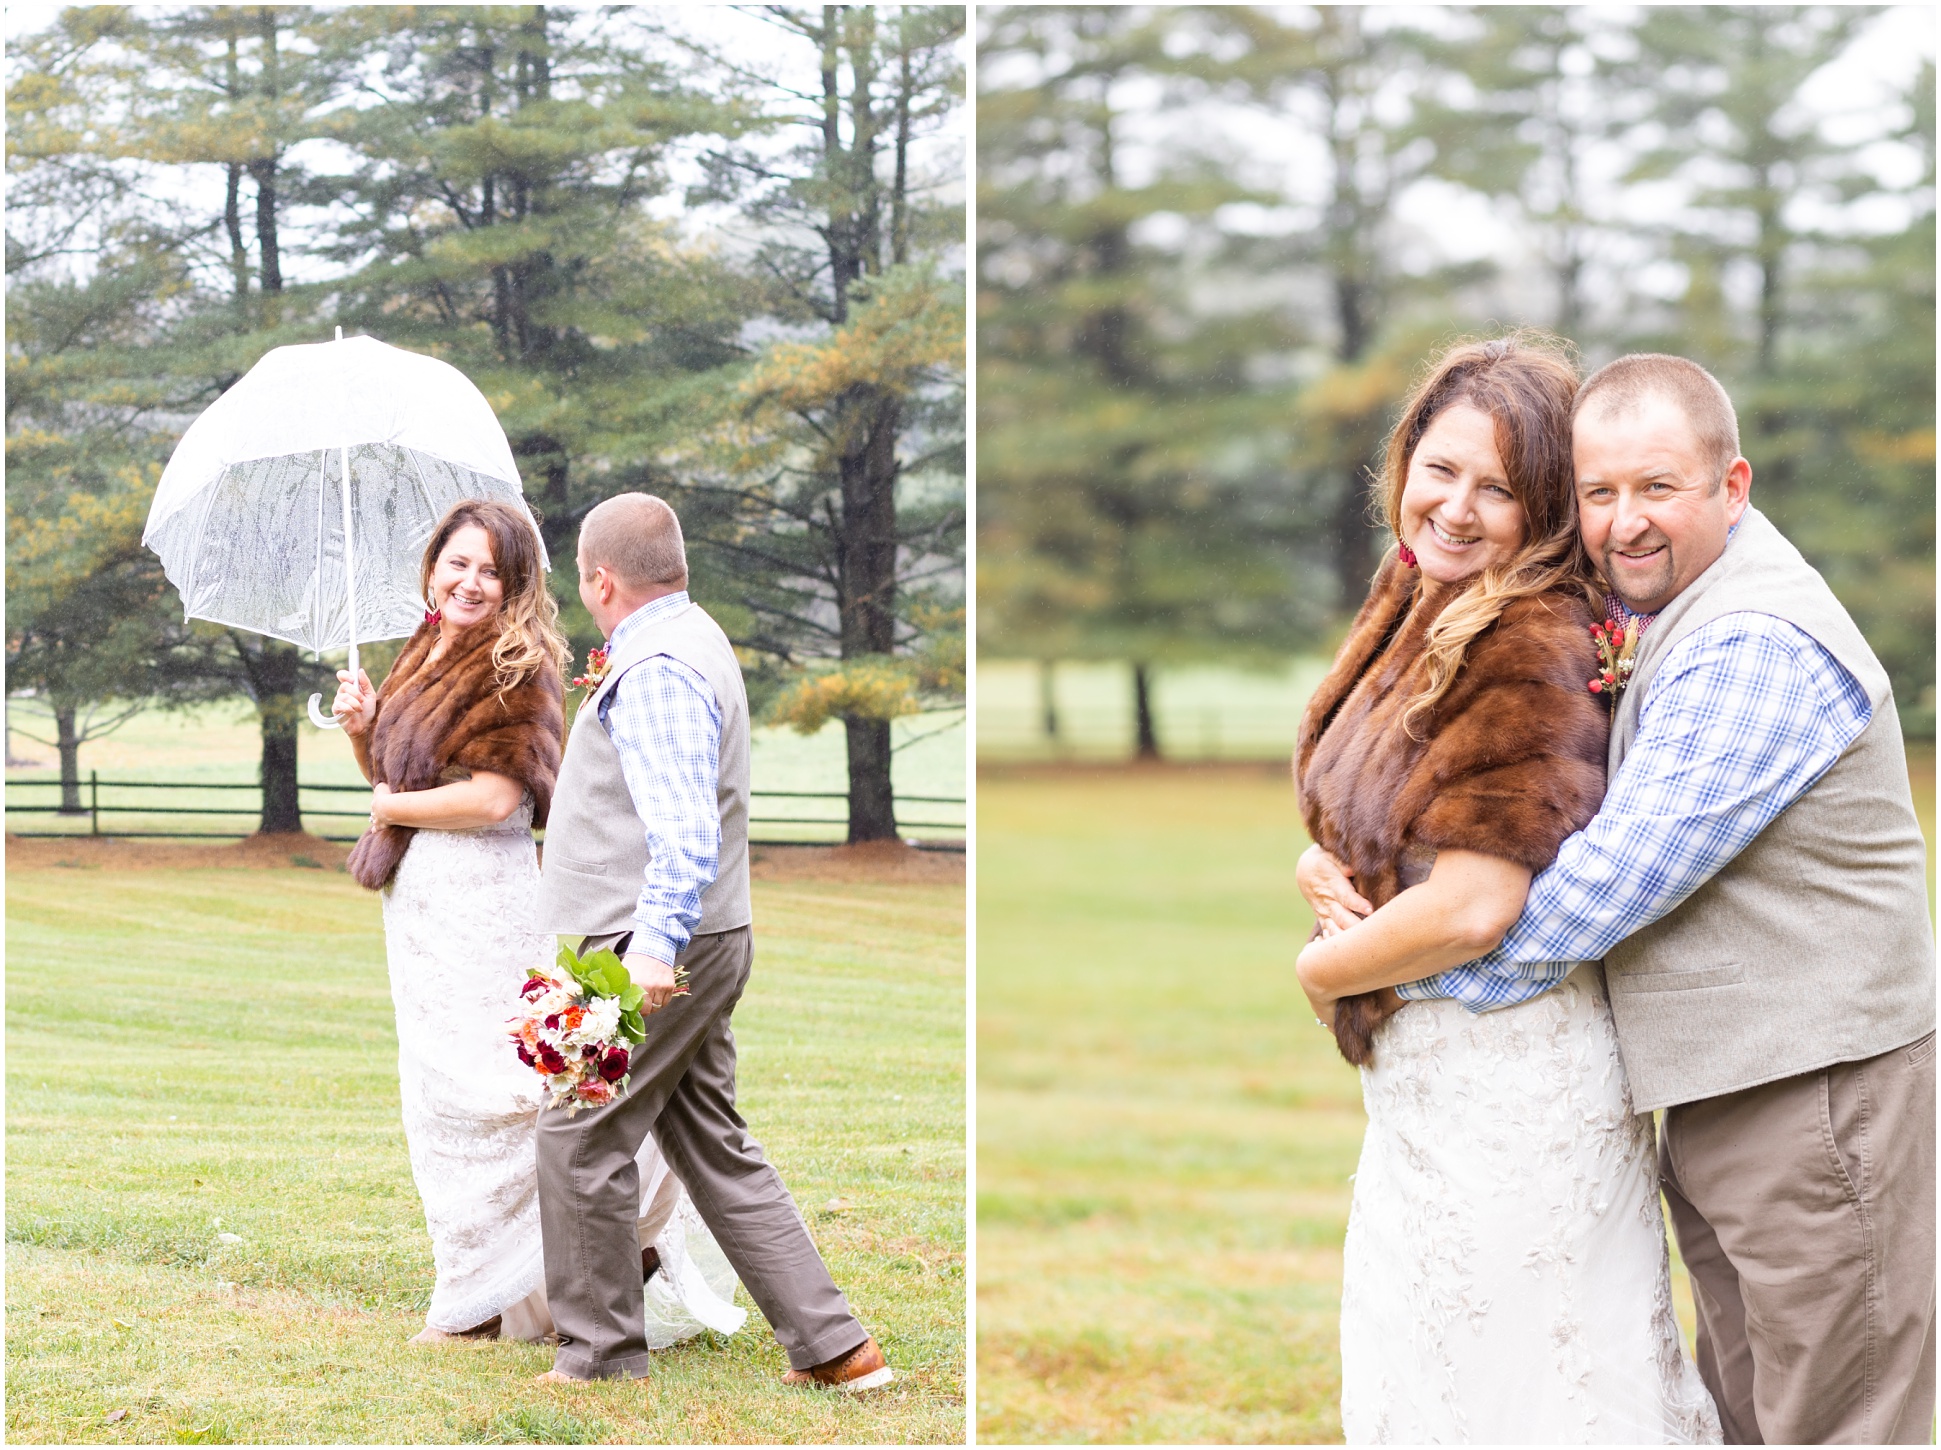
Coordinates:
(1525, 381)
(529, 634)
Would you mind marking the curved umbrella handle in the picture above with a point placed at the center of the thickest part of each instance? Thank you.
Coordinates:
(321, 720)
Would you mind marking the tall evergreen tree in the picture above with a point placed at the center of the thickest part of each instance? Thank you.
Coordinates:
(837, 501)
(1133, 498)
(126, 93)
(1540, 97)
(506, 157)
(1345, 70)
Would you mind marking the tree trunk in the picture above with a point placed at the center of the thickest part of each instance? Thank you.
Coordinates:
(1047, 698)
(277, 705)
(268, 251)
(69, 741)
(872, 805)
(866, 572)
(1142, 709)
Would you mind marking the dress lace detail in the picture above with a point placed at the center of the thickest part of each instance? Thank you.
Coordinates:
(1505, 1276)
(458, 940)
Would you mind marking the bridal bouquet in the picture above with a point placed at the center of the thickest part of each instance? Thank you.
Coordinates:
(577, 1028)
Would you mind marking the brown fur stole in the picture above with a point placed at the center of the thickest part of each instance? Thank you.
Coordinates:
(434, 717)
(1511, 759)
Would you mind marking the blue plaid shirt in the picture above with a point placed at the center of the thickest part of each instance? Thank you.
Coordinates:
(665, 724)
(1745, 714)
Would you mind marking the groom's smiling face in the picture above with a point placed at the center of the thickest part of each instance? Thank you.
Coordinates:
(1652, 506)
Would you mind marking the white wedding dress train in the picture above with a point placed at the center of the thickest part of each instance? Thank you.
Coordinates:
(458, 939)
(1505, 1277)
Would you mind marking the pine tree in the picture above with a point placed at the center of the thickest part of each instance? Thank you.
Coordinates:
(835, 497)
(230, 88)
(1133, 488)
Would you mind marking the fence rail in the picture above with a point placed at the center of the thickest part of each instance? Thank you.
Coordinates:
(94, 808)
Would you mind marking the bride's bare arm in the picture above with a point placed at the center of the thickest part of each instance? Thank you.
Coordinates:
(1458, 914)
(464, 805)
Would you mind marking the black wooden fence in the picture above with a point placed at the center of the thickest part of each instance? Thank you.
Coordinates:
(94, 806)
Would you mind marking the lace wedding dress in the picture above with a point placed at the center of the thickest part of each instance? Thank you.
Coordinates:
(456, 935)
(1505, 1276)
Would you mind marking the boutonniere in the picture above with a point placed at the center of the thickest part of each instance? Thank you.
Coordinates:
(596, 670)
(1616, 657)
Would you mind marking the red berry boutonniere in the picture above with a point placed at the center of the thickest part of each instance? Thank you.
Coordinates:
(1616, 657)
(596, 670)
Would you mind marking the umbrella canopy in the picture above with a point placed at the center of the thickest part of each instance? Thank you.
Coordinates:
(250, 516)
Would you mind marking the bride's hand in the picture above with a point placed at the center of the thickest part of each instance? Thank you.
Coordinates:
(356, 704)
(1324, 882)
(1323, 1007)
(379, 795)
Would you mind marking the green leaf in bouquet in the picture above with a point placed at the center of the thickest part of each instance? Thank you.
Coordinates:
(631, 1025)
(603, 959)
(631, 999)
(605, 974)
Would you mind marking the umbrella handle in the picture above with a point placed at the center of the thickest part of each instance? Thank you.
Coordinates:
(321, 720)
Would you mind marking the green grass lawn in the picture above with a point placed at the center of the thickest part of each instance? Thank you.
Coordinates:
(195, 1052)
(220, 743)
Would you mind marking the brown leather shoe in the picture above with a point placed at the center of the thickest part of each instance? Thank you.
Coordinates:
(649, 1263)
(863, 1368)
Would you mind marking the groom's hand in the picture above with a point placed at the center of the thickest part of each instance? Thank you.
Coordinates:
(654, 977)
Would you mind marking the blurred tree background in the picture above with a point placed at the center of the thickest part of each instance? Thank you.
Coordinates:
(712, 255)
(1214, 245)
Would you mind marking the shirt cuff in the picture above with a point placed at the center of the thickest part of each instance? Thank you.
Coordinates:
(653, 939)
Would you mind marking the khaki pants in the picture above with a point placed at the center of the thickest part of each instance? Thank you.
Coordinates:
(1805, 1212)
(683, 1091)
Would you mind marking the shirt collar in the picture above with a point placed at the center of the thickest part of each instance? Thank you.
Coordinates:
(645, 615)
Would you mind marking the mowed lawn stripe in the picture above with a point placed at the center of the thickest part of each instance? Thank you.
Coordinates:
(196, 1052)
(1164, 1137)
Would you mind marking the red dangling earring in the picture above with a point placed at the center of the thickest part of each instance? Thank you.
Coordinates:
(434, 614)
(1404, 553)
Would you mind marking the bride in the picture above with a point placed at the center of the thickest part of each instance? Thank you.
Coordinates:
(1505, 1274)
(462, 745)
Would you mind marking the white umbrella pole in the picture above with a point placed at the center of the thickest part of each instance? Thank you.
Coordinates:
(350, 577)
(350, 590)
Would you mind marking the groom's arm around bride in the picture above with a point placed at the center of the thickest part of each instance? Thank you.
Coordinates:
(647, 854)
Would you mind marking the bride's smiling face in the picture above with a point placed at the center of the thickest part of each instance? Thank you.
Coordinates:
(1458, 513)
(465, 583)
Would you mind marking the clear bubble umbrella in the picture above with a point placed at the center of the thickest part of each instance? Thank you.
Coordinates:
(299, 503)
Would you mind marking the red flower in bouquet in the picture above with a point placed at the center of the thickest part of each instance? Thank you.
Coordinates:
(596, 670)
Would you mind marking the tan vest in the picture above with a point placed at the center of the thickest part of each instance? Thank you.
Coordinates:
(1813, 945)
(596, 848)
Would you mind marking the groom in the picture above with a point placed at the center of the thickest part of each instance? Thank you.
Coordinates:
(1756, 884)
(647, 853)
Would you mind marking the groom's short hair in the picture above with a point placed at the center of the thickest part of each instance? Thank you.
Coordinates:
(1619, 386)
(638, 538)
